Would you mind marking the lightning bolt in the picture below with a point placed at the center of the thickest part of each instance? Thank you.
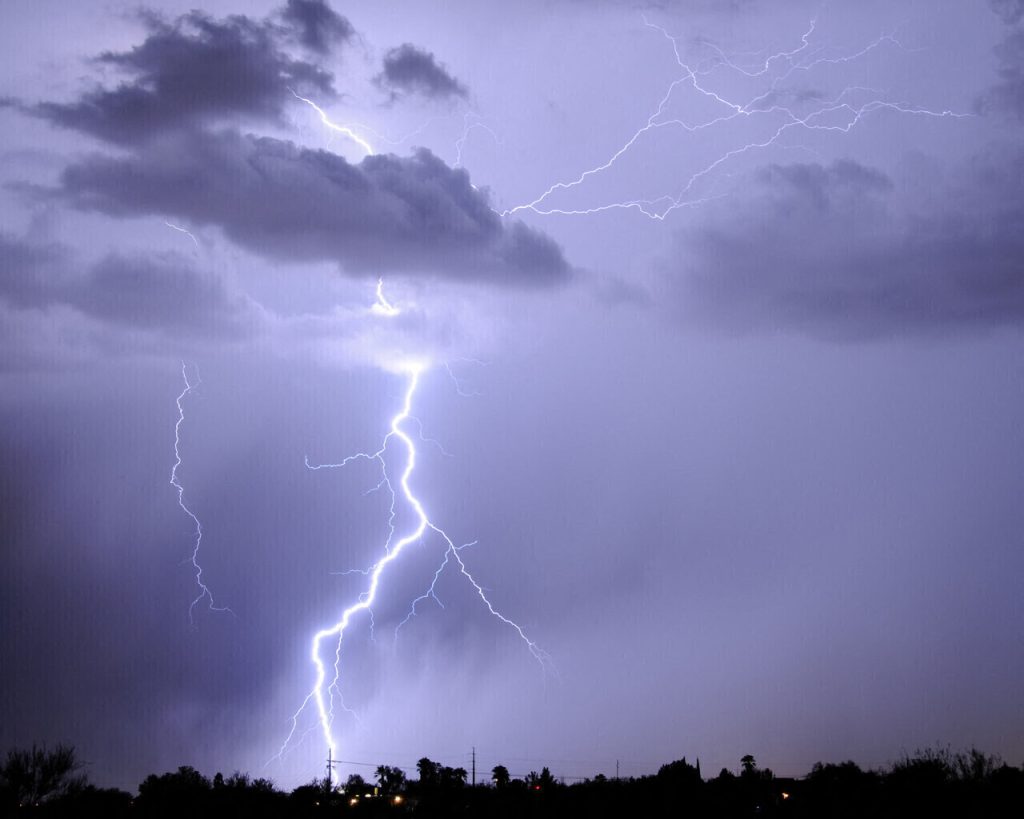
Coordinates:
(180, 229)
(838, 115)
(459, 389)
(344, 130)
(325, 691)
(364, 144)
(382, 306)
(204, 590)
(471, 121)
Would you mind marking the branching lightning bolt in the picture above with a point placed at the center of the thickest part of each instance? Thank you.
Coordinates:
(324, 692)
(801, 58)
(838, 115)
(382, 306)
(204, 590)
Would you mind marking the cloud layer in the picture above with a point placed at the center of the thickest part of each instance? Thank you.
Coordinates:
(411, 70)
(819, 249)
(195, 71)
(413, 215)
(1007, 94)
(194, 80)
(162, 292)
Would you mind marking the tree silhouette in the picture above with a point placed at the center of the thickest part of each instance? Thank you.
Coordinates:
(679, 773)
(429, 771)
(186, 786)
(453, 777)
(390, 779)
(355, 784)
(935, 783)
(30, 777)
(540, 781)
(500, 776)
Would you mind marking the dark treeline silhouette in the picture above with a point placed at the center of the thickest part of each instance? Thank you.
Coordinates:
(929, 783)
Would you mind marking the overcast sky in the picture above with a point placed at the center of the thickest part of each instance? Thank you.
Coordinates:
(719, 310)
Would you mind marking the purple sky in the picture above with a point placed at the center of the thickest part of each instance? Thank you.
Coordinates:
(734, 421)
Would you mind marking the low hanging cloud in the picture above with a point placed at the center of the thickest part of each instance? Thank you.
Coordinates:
(819, 250)
(28, 272)
(156, 292)
(387, 214)
(409, 70)
(165, 291)
(57, 312)
(198, 70)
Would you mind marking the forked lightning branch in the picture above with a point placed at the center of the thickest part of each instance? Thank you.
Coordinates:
(326, 648)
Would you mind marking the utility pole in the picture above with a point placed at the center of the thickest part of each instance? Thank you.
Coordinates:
(329, 782)
(616, 769)
(474, 766)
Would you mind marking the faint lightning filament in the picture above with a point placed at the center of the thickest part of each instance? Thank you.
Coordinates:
(180, 229)
(204, 590)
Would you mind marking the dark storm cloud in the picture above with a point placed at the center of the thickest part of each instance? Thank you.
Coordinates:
(387, 213)
(317, 25)
(818, 249)
(27, 272)
(1007, 95)
(411, 70)
(1011, 11)
(192, 71)
(159, 291)
(189, 77)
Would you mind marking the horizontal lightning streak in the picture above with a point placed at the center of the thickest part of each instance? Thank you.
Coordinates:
(659, 208)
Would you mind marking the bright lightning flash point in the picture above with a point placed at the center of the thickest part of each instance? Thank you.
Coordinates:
(323, 693)
(204, 590)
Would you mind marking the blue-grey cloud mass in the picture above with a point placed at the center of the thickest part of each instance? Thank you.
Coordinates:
(412, 70)
(748, 469)
(191, 71)
(820, 250)
(386, 214)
